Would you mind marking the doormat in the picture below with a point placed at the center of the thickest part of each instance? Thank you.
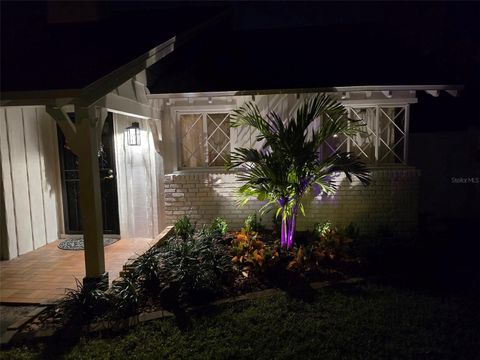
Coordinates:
(77, 243)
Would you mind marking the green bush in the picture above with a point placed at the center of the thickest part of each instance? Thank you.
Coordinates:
(83, 304)
(321, 229)
(184, 228)
(189, 268)
(218, 227)
(192, 270)
(251, 223)
(124, 297)
(147, 271)
(332, 242)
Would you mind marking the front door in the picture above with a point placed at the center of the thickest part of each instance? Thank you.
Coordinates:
(71, 183)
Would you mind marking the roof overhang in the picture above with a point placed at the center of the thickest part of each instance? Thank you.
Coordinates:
(433, 90)
(27, 98)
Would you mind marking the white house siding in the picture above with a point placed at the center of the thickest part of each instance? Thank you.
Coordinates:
(390, 200)
(29, 161)
(136, 181)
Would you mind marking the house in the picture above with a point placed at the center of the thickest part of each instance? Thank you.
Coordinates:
(157, 126)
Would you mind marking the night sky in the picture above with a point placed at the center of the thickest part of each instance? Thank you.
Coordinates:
(258, 45)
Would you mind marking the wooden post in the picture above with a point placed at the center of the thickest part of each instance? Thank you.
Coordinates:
(90, 196)
(83, 138)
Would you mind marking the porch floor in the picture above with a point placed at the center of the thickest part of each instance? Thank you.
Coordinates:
(43, 274)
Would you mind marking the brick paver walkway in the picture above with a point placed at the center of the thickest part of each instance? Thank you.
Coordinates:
(44, 274)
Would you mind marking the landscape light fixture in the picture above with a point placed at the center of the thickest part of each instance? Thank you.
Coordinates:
(133, 134)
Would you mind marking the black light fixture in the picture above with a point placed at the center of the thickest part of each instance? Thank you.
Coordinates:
(133, 134)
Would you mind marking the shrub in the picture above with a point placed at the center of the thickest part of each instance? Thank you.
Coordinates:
(83, 304)
(218, 227)
(321, 229)
(328, 244)
(124, 297)
(250, 253)
(147, 271)
(305, 258)
(333, 244)
(184, 228)
(193, 270)
(251, 223)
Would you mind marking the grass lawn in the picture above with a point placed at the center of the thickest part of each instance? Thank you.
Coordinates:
(349, 322)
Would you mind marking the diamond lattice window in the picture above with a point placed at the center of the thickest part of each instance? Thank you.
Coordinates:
(383, 136)
(205, 139)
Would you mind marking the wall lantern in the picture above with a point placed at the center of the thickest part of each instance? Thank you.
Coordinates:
(133, 134)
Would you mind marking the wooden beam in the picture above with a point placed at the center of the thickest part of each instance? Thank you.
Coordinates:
(156, 134)
(124, 106)
(434, 93)
(101, 114)
(373, 102)
(56, 98)
(66, 125)
(453, 92)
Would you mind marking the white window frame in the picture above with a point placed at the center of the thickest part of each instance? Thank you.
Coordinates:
(182, 110)
(403, 158)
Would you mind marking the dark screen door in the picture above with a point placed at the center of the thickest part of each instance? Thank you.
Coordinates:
(71, 183)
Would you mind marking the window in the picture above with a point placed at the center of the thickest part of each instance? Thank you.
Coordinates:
(383, 137)
(204, 139)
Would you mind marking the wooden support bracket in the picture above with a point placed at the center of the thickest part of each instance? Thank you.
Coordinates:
(66, 125)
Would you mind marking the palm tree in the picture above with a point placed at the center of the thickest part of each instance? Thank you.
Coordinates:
(289, 163)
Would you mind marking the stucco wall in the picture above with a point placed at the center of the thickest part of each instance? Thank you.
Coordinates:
(30, 180)
(390, 200)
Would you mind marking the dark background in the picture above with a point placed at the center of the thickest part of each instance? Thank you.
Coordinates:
(67, 45)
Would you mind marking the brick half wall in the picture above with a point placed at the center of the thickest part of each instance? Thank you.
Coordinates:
(391, 200)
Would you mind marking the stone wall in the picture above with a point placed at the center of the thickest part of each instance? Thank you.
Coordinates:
(390, 200)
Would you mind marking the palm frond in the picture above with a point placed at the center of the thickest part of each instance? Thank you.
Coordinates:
(242, 156)
(250, 115)
(345, 162)
(316, 107)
